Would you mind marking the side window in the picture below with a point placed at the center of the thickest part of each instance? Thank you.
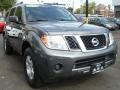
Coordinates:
(18, 13)
(6, 15)
(98, 21)
(12, 12)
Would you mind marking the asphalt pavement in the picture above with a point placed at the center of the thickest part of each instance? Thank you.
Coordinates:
(12, 75)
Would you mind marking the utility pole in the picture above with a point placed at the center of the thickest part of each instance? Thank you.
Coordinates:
(87, 5)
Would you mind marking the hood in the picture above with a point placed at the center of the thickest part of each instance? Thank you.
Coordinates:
(68, 28)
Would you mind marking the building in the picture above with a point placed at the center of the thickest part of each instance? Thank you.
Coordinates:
(116, 4)
(104, 10)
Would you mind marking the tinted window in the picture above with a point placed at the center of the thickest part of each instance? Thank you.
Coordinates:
(12, 12)
(48, 13)
(18, 13)
(118, 20)
(105, 20)
(6, 15)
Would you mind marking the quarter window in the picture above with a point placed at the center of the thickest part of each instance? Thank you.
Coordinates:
(12, 12)
(18, 13)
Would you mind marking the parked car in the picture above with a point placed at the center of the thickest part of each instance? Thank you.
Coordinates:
(118, 22)
(105, 22)
(115, 20)
(55, 45)
(92, 20)
(2, 24)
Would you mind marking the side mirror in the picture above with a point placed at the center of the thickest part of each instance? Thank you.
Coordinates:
(13, 19)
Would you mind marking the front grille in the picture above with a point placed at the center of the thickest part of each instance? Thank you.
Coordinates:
(90, 61)
(72, 42)
(87, 40)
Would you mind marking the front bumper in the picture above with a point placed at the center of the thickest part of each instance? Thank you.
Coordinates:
(1, 28)
(54, 64)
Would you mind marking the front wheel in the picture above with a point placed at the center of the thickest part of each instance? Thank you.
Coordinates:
(30, 69)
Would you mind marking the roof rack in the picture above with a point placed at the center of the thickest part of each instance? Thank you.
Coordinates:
(19, 3)
(54, 4)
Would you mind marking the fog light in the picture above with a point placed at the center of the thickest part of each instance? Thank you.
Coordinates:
(108, 58)
(58, 67)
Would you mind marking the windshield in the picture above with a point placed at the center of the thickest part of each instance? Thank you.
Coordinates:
(48, 13)
(2, 19)
(118, 20)
(105, 20)
(112, 19)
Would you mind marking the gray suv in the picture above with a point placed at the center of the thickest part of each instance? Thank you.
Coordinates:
(55, 45)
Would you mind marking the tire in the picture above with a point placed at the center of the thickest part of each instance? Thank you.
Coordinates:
(30, 69)
(7, 48)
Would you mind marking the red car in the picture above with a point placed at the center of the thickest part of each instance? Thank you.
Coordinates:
(2, 24)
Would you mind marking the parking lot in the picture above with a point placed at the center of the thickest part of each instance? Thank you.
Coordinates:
(12, 75)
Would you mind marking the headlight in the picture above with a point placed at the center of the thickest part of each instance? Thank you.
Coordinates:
(54, 42)
(111, 39)
(108, 25)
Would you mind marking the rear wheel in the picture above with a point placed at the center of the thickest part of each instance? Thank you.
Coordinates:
(30, 68)
(7, 48)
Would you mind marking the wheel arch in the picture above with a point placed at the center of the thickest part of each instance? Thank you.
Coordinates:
(25, 45)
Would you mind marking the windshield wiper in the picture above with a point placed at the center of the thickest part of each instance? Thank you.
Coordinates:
(38, 20)
(63, 19)
(82, 24)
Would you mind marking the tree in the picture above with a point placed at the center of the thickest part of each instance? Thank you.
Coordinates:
(70, 9)
(91, 8)
(6, 4)
(77, 11)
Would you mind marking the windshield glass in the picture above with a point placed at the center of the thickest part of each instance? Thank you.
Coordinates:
(48, 13)
(2, 19)
(118, 20)
(105, 20)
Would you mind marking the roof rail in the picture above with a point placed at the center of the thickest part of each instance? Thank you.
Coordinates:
(19, 3)
(54, 4)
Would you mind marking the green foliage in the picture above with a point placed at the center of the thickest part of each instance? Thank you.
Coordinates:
(6, 4)
(70, 9)
(91, 8)
(77, 11)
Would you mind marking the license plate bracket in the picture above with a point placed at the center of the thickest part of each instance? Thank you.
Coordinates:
(97, 67)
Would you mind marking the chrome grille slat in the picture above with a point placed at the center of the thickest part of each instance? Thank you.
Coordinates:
(72, 42)
(88, 44)
(76, 42)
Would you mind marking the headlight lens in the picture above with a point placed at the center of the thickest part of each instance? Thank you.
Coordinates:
(111, 39)
(54, 42)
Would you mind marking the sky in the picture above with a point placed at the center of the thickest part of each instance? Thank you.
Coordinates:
(77, 3)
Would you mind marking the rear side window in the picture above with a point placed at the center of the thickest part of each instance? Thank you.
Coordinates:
(6, 15)
(12, 12)
(18, 13)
